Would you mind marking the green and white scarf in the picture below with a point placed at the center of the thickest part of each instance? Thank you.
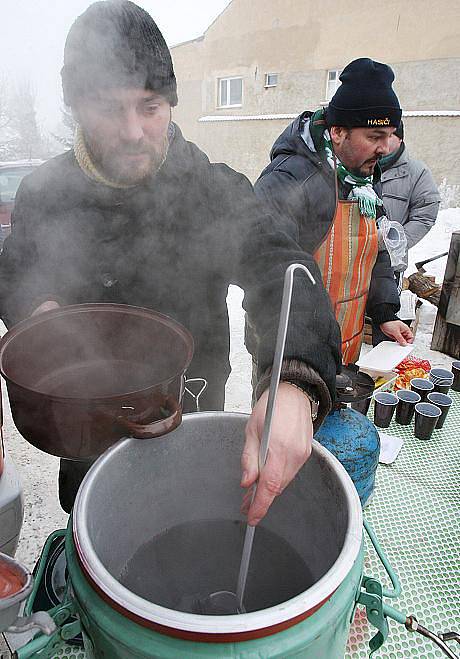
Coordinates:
(362, 190)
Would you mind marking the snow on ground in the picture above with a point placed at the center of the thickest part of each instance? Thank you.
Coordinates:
(436, 241)
(39, 471)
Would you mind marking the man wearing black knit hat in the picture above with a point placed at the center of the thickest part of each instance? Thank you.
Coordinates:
(135, 214)
(324, 178)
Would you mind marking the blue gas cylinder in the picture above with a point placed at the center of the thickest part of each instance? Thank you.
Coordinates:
(353, 439)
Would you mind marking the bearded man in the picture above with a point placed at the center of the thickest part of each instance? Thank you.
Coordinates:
(134, 214)
(324, 179)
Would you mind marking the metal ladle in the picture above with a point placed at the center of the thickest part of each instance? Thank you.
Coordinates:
(225, 602)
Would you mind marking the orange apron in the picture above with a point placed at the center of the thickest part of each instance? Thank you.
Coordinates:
(346, 258)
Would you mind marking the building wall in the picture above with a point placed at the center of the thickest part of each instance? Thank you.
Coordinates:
(291, 38)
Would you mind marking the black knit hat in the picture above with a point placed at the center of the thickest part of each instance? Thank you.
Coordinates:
(115, 43)
(399, 132)
(365, 98)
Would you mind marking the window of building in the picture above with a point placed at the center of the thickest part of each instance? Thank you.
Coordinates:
(230, 92)
(332, 82)
(271, 79)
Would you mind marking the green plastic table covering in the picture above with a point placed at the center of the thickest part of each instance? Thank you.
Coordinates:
(415, 513)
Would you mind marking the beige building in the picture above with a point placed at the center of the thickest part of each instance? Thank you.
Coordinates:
(262, 62)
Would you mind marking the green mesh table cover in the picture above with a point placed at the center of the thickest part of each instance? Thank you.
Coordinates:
(415, 513)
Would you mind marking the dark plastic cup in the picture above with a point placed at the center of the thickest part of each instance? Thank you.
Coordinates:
(440, 375)
(422, 386)
(362, 405)
(426, 418)
(455, 366)
(443, 402)
(442, 388)
(405, 408)
(442, 379)
(384, 407)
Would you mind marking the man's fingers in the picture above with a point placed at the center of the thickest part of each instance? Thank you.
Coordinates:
(408, 335)
(250, 457)
(400, 338)
(270, 485)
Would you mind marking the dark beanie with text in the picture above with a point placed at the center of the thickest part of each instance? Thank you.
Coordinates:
(115, 43)
(365, 99)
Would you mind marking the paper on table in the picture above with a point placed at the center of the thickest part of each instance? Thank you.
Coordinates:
(390, 445)
(383, 358)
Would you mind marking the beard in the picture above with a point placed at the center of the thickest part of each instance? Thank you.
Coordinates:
(364, 170)
(130, 164)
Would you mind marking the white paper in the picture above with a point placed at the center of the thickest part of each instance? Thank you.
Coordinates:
(390, 445)
(383, 358)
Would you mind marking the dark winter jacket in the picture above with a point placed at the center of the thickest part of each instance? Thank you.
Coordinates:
(173, 244)
(300, 184)
(410, 195)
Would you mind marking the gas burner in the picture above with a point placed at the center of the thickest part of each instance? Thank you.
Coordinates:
(352, 385)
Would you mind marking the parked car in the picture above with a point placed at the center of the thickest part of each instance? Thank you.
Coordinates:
(11, 175)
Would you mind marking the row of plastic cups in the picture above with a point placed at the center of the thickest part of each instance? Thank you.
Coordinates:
(428, 415)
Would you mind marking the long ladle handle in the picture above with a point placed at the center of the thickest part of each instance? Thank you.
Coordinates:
(274, 382)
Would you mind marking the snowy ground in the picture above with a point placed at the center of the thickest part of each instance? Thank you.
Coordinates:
(39, 471)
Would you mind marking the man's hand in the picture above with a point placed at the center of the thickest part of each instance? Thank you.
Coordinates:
(398, 331)
(46, 306)
(290, 447)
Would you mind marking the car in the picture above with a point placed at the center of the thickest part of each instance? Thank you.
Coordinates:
(11, 175)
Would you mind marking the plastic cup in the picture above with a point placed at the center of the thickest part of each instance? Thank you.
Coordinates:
(405, 408)
(440, 374)
(422, 386)
(455, 366)
(384, 407)
(443, 402)
(426, 418)
(362, 405)
(442, 388)
(442, 379)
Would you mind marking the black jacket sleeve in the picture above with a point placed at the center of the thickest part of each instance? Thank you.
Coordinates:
(383, 298)
(268, 246)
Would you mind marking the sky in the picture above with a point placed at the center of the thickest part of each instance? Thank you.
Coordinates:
(33, 32)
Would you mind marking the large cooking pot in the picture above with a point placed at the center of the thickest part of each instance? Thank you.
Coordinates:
(157, 527)
(81, 377)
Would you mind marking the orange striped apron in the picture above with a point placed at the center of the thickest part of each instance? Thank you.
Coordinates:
(346, 258)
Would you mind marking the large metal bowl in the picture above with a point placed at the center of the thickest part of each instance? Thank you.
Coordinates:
(137, 490)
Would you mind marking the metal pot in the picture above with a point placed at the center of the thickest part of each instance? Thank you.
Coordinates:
(138, 490)
(81, 377)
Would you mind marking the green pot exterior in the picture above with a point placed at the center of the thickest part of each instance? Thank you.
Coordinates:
(108, 634)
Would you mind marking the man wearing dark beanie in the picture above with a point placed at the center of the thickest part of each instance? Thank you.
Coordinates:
(324, 177)
(134, 214)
